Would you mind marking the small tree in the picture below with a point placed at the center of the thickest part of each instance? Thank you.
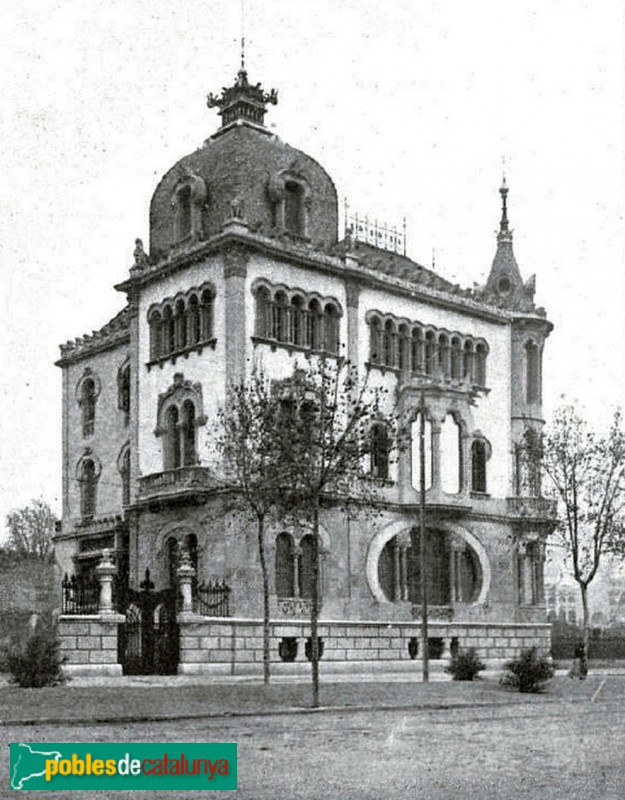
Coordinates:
(31, 529)
(325, 438)
(587, 475)
(247, 430)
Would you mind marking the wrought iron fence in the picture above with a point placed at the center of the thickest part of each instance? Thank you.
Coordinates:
(80, 594)
(212, 599)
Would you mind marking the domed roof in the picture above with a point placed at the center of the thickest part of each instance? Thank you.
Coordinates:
(243, 170)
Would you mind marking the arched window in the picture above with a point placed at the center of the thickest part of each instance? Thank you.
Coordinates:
(297, 320)
(375, 344)
(188, 434)
(206, 315)
(88, 397)
(285, 565)
(465, 572)
(416, 351)
(172, 439)
(182, 213)
(173, 560)
(169, 332)
(193, 321)
(388, 344)
(156, 336)
(279, 326)
(294, 208)
(443, 356)
(125, 476)
(451, 456)
(123, 391)
(314, 325)
(399, 574)
(402, 348)
(88, 489)
(331, 329)
(416, 452)
(478, 465)
(180, 326)
(456, 359)
(430, 353)
(467, 373)
(380, 447)
(480, 365)
(263, 312)
(306, 581)
(532, 370)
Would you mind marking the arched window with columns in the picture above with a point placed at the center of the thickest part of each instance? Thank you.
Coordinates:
(285, 565)
(180, 413)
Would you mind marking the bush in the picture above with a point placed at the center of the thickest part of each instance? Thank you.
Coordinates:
(37, 661)
(528, 673)
(465, 666)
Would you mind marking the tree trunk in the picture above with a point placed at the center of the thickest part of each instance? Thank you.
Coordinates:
(583, 661)
(314, 608)
(263, 567)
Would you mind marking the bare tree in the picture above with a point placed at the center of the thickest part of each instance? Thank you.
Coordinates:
(248, 427)
(325, 439)
(31, 529)
(587, 473)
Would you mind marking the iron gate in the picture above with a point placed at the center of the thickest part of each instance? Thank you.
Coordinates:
(148, 641)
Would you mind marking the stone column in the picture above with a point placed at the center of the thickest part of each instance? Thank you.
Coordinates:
(352, 294)
(436, 454)
(105, 571)
(186, 573)
(235, 274)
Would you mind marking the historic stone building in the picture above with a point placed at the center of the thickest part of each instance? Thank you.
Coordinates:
(245, 264)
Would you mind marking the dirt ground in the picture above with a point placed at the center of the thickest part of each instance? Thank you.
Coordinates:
(565, 744)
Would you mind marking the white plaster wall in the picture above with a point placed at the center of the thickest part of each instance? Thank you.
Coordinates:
(206, 368)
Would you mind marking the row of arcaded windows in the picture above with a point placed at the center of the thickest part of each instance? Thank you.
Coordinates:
(311, 324)
(177, 325)
(179, 447)
(426, 351)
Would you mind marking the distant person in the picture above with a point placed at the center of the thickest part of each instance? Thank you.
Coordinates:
(579, 668)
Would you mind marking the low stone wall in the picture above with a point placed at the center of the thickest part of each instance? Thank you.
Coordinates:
(235, 646)
(89, 644)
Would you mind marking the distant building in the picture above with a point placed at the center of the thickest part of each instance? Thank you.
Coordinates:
(245, 264)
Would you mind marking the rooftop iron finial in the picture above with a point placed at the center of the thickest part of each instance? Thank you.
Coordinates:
(503, 191)
(242, 35)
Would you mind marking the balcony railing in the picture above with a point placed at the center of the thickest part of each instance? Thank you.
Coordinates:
(176, 481)
(532, 507)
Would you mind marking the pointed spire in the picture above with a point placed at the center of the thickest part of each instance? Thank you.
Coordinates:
(503, 191)
(242, 100)
(505, 277)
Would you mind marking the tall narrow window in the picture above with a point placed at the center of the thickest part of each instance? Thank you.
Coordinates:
(375, 345)
(314, 326)
(331, 329)
(263, 312)
(416, 452)
(451, 463)
(532, 364)
(388, 344)
(478, 466)
(188, 432)
(402, 348)
(156, 336)
(88, 486)
(379, 450)
(182, 214)
(297, 320)
(206, 315)
(285, 572)
(279, 326)
(430, 354)
(88, 407)
(456, 359)
(480, 365)
(169, 332)
(180, 326)
(173, 560)
(443, 356)
(293, 208)
(123, 391)
(193, 321)
(416, 351)
(467, 372)
(172, 439)
(306, 581)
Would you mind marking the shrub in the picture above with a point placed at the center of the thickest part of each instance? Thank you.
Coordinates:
(36, 662)
(528, 673)
(465, 666)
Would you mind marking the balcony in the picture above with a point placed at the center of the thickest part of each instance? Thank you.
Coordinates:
(535, 508)
(173, 483)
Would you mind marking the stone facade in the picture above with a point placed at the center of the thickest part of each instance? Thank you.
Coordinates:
(245, 267)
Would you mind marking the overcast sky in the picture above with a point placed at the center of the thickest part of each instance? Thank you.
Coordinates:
(409, 104)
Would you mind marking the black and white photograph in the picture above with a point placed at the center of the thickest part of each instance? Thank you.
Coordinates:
(313, 454)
